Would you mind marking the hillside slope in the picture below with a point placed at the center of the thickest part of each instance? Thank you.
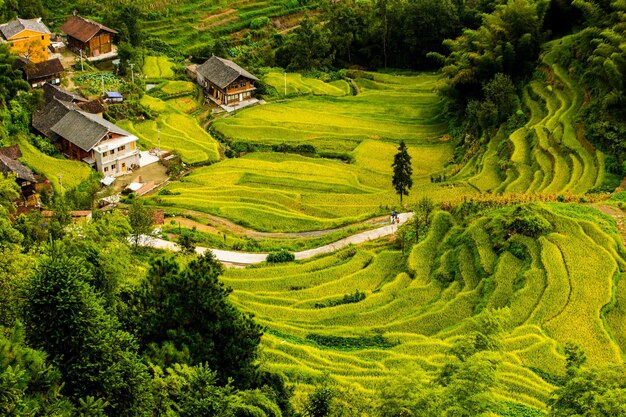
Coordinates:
(556, 267)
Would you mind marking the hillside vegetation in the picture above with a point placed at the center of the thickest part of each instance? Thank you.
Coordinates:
(554, 267)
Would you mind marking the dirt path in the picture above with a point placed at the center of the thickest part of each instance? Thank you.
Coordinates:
(232, 258)
(215, 223)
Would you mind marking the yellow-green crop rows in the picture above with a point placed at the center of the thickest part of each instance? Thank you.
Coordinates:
(179, 132)
(286, 192)
(157, 67)
(399, 108)
(559, 287)
(297, 84)
(549, 154)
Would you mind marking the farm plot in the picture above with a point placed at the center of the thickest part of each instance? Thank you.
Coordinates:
(411, 112)
(286, 192)
(316, 324)
(158, 67)
(178, 132)
(72, 172)
(297, 84)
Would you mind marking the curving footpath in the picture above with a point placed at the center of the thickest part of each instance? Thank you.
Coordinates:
(246, 258)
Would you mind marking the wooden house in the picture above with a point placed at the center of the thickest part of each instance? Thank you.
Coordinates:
(88, 137)
(225, 81)
(27, 38)
(9, 163)
(39, 73)
(90, 37)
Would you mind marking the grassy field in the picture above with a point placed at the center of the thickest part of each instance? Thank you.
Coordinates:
(550, 153)
(72, 172)
(178, 131)
(157, 67)
(292, 193)
(408, 316)
(389, 109)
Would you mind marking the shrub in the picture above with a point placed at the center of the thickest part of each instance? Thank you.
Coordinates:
(259, 22)
(280, 257)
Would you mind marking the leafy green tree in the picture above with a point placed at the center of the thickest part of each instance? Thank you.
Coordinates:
(308, 48)
(320, 402)
(596, 392)
(65, 317)
(188, 310)
(141, 219)
(402, 171)
(11, 81)
(28, 383)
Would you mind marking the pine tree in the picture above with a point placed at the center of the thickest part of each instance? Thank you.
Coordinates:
(402, 171)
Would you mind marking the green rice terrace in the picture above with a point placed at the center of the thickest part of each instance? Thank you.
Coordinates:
(412, 310)
(550, 154)
(389, 108)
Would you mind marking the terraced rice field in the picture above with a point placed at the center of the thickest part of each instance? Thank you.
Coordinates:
(292, 193)
(179, 132)
(196, 23)
(558, 288)
(549, 154)
(389, 109)
(299, 85)
(158, 67)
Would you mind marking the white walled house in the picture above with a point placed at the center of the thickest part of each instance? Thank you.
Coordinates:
(116, 156)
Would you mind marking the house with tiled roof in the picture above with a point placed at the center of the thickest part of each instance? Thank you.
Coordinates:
(39, 73)
(9, 163)
(225, 81)
(87, 137)
(28, 38)
(92, 38)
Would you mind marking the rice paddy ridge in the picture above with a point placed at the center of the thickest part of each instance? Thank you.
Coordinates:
(548, 153)
(409, 314)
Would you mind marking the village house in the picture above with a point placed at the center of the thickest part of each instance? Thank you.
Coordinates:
(27, 38)
(39, 73)
(9, 163)
(51, 92)
(224, 81)
(88, 137)
(90, 37)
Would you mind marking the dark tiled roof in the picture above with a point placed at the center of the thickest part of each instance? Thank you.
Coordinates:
(14, 27)
(10, 164)
(83, 29)
(52, 91)
(222, 72)
(44, 119)
(38, 70)
(93, 107)
(13, 151)
(85, 130)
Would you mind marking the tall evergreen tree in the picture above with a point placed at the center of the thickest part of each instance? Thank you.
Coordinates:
(402, 171)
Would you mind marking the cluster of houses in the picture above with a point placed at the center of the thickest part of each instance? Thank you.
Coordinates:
(75, 124)
(30, 39)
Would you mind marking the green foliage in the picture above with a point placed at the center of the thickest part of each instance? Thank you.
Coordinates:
(346, 299)
(188, 309)
(65, 317)
(141, 219)
(11, 81)
(402, 171)
(351, 343)
(280, 257)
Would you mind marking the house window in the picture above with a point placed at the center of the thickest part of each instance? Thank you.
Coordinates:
(132, 145)
(42, 37)
(123, 166)
(113, 167)
(112, 151)
(105, 154)
(106, 169)
(121, 148)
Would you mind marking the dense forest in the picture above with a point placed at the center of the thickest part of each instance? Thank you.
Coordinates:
(93, 325)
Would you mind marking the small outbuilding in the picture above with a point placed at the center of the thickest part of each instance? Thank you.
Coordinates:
(90, 37)
(113, 97)
(23, 175)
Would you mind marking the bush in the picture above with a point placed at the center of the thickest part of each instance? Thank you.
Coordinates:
(280, 257)
(259, 22)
